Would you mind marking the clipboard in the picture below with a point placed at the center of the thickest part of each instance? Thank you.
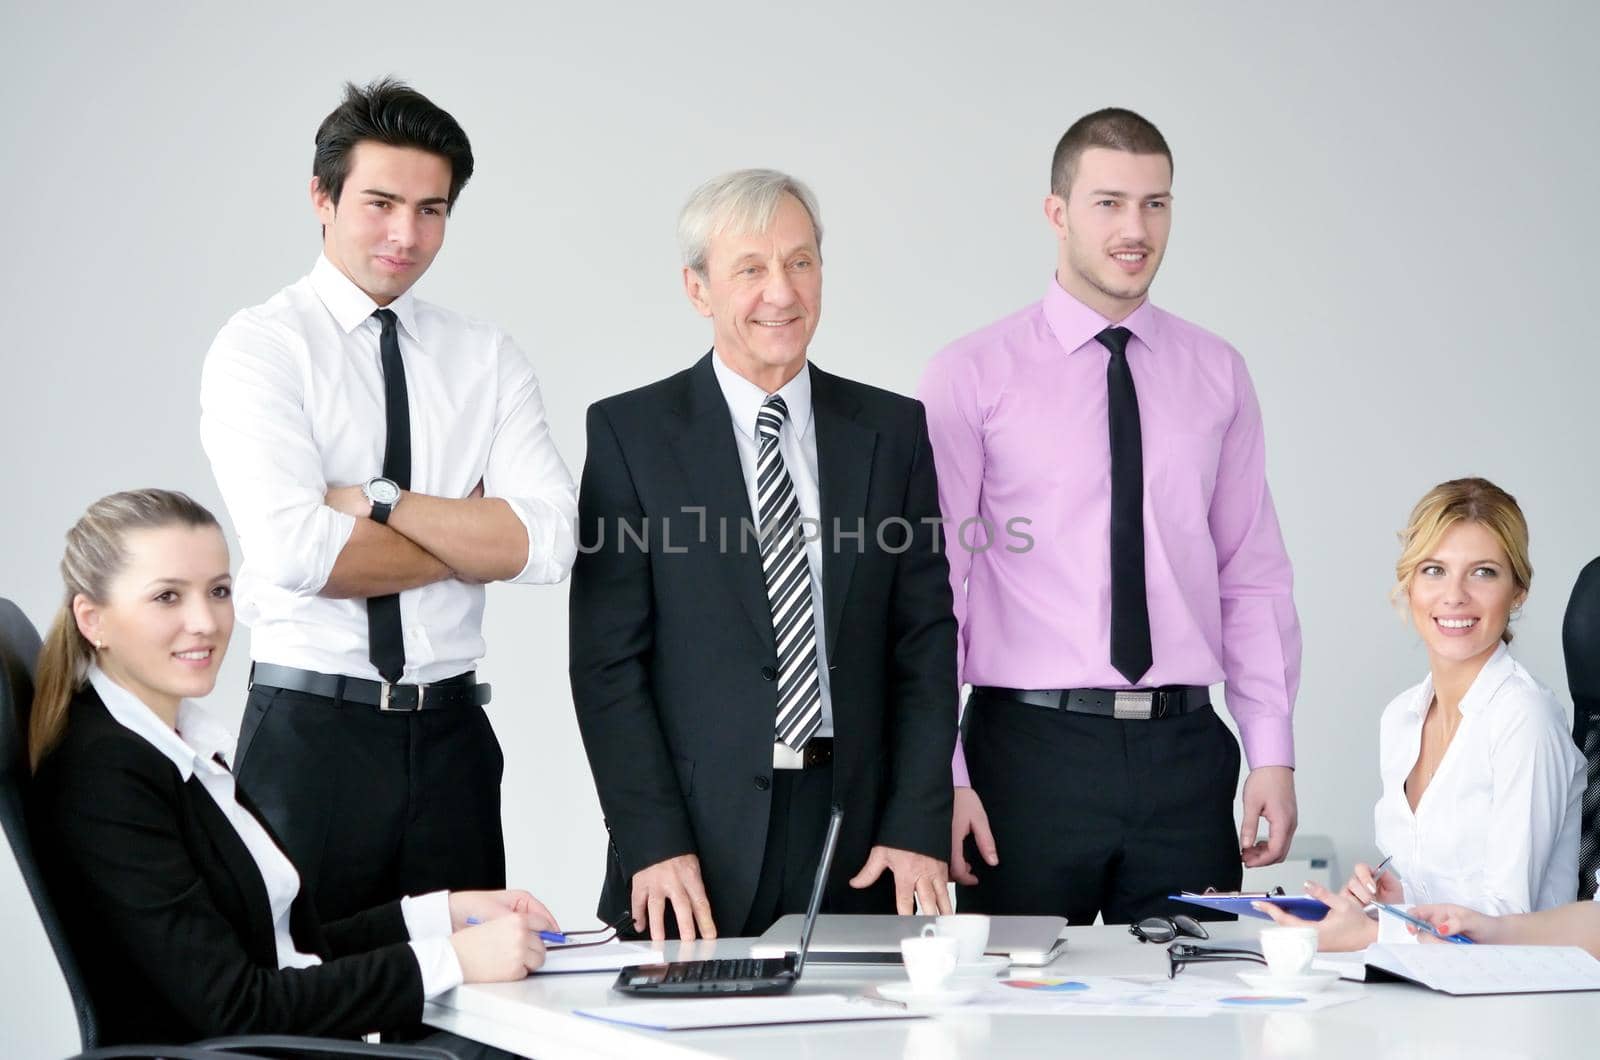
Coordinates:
(1302, 906)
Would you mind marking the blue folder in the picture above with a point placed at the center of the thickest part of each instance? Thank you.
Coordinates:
(1295, 904)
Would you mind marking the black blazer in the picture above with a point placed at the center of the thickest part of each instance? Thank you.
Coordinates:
(672, 655)
(168, 913)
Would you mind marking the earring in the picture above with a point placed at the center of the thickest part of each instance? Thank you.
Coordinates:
(99, 645)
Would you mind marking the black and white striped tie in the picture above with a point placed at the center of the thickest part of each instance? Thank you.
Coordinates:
(783, 561)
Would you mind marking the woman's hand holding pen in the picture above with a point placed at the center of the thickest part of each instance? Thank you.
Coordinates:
(1457, 920)
(500, 950)
(479, 907)
(1367, 885)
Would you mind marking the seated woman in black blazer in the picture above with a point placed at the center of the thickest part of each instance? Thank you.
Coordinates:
(185, 913)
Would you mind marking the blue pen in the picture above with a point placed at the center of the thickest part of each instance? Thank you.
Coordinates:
(1422, 925)
(555, 937)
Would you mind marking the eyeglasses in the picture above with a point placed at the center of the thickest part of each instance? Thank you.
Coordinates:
(606, 934)
(1167, 928)
(1183, 953)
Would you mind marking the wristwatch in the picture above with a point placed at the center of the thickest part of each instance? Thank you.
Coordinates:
(384, 493)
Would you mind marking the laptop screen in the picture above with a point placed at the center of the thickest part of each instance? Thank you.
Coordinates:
(828, 843)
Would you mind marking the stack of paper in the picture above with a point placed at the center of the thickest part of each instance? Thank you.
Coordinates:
(1459, 970)
(607, 958)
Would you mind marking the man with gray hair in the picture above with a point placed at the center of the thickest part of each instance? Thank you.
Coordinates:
(725, 692)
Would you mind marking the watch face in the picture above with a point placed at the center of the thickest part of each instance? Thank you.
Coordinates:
(382, 491)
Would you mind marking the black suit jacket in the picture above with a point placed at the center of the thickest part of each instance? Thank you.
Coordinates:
(672, 656)
(169, 915)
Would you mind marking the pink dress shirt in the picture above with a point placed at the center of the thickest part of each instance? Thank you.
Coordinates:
(1017, 415)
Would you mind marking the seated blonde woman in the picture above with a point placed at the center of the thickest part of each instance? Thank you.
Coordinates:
(1481, 781)
(188, 918)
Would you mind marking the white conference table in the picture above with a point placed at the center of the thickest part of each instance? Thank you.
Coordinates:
(535, 1017)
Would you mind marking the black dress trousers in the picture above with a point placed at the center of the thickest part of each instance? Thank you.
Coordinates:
(375, 806)
(1100, 816)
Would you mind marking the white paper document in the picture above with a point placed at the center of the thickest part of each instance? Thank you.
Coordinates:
(1457, 969)
(685, 1015)
(609, 957)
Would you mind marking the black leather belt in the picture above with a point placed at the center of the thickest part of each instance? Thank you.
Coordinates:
(1139, 704)
(462, 690)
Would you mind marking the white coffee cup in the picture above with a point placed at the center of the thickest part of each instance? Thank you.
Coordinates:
(970, 930)
(930, 959)
(1289, 950)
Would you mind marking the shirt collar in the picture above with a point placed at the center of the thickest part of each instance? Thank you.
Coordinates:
(1075, 325)
(350, 305)
(1483, 688)
(190, 748)
(745, 399)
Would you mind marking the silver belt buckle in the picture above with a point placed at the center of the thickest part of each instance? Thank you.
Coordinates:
(1133, 706)
(383, 700)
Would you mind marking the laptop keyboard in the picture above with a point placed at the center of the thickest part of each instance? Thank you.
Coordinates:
(716, 970)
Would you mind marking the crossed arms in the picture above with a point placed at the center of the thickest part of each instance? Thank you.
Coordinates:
(307, 535)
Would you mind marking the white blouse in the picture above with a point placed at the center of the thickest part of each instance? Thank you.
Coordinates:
(191, 749)
(1497, 827)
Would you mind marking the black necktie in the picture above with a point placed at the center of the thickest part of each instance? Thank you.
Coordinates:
(1130, 614)
(386, 645)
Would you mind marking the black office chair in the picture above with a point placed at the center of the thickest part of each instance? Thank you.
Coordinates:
(19, 653)
(1580, 641)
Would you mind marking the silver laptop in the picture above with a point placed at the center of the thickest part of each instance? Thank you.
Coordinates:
(867, 939)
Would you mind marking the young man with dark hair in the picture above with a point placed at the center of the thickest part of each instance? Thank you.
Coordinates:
(382, 459)
(1094, 777)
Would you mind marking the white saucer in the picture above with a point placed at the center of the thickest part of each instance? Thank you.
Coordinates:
(985, 967)
(946, 995)
(1309, 983)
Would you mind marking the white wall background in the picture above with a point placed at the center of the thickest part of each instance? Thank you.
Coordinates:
(1387, 207)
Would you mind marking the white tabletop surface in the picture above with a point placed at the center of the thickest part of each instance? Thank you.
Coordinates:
(534, 1017)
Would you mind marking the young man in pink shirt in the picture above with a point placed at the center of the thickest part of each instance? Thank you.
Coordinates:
(1114, 552)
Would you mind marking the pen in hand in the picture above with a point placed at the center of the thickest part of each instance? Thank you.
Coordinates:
(1419, 924)
(553, 937)
(1377, 874)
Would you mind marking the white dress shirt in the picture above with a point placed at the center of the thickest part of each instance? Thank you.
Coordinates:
(798, 445)
(292, 404)
(191, 748)
(1497, 826)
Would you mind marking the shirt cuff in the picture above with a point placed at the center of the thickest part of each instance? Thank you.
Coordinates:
(1268, 741)
(427, 916)
(339, 529)
(958, 767)
(441, 970)
(552, 543)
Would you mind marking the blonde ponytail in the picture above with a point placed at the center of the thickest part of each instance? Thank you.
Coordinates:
(63, 662)
(96, 552)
